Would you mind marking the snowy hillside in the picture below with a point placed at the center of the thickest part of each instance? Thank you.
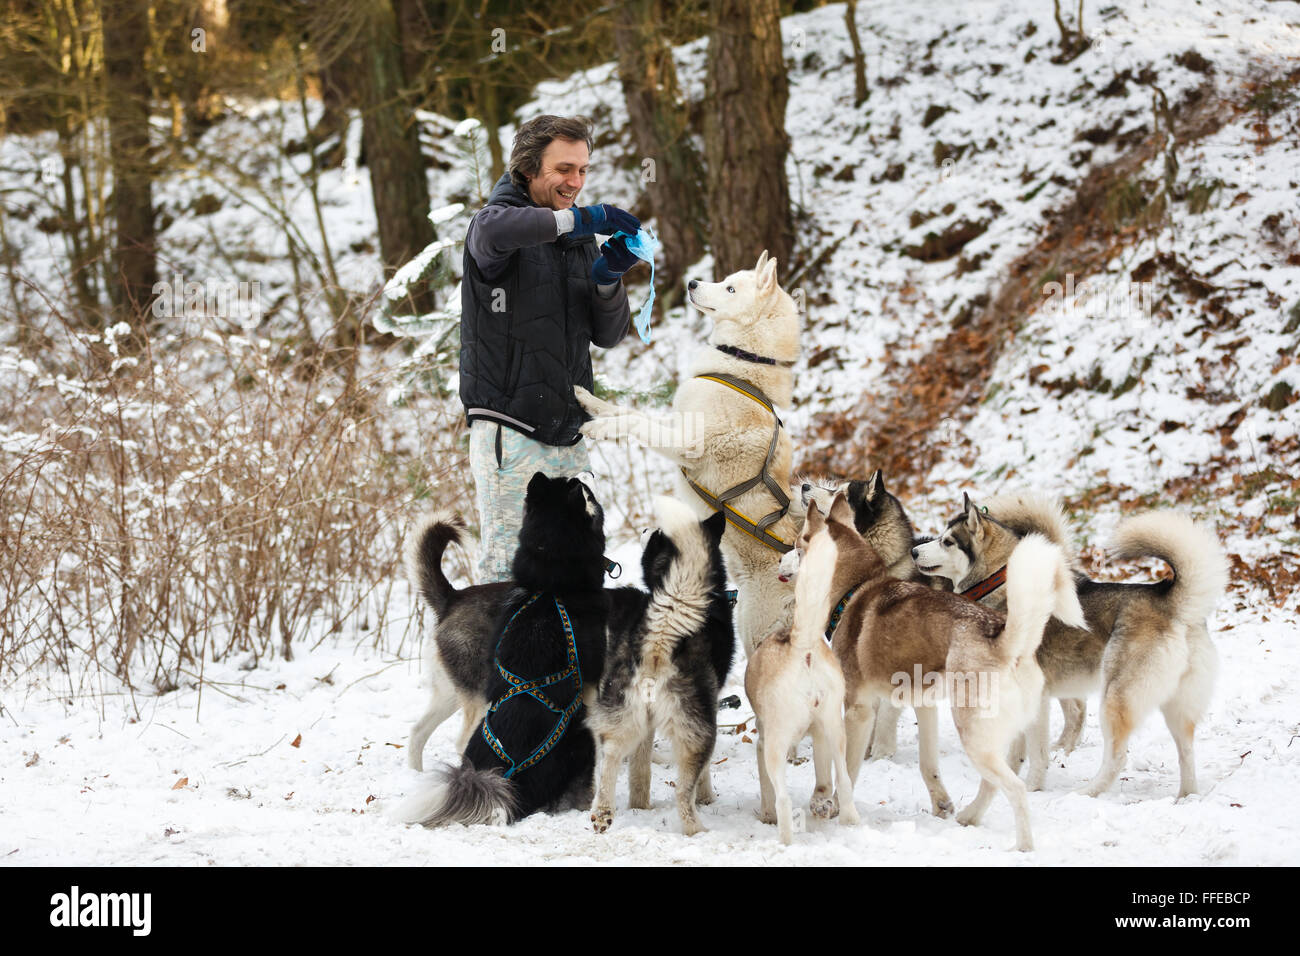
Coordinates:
(916, 210)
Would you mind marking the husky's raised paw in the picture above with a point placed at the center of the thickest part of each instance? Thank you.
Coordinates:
(602, 818)
(593, 405)
(604, 428)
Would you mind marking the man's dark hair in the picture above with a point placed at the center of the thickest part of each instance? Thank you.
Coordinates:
(533, 137)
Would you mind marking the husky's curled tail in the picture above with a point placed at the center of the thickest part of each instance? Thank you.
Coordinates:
(1025, 512)
(1200, 570)
(423, 557)
(1040, 585)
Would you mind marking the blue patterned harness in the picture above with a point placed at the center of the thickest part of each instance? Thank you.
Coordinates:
(533, 688)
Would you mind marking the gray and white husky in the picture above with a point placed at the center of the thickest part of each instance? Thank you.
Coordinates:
(668, 652)
(1147, 646)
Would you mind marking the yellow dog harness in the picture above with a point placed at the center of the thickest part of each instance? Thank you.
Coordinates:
(755, 529)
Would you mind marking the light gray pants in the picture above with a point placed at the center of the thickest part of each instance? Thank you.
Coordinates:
(501, 486)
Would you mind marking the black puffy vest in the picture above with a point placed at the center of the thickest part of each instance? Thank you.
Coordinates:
(522, 360)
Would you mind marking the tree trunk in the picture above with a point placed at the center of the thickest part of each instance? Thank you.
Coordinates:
(391, 142)
(744, 135)
(860, 91)
(126, 38)
(671, 170)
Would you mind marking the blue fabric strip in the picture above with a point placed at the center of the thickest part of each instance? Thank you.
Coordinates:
(644, 245)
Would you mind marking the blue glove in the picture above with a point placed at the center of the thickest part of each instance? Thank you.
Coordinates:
(615, 259)
(605, 219)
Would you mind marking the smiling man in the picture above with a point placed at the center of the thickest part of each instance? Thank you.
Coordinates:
(537, 293)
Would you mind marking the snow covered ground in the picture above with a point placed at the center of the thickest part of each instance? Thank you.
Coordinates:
(296, 762)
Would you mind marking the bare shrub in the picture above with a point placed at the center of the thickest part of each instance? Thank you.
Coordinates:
(162, 510)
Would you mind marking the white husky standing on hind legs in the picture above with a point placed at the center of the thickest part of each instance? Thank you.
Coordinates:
(725, 435)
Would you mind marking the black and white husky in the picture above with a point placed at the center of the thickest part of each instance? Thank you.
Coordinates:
(532, 750)
(668, 653)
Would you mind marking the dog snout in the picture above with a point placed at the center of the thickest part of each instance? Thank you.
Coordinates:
(916, 553)
(692, 283)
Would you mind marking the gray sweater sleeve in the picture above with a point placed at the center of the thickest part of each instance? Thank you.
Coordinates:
(497, 231)
(610, 315)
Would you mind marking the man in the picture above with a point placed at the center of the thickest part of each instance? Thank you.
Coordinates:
(536, 295)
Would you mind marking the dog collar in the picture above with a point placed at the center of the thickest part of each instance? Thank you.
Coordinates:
(838, 612)
(751, 357)
(986, 587)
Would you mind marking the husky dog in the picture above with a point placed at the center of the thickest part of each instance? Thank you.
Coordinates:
(723, 438)
(1146, 646)
(1019, 513)
(882, 520)
(795, 685)
(894, 632)
(1039, 585)
(459, 658)
(667, 655)
(878, 516)
(532, 750)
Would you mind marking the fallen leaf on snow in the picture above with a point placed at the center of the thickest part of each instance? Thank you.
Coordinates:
(181, 783)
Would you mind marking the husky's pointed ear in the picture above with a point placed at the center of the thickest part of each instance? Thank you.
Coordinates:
(968, 506)
(840, 510)
(762, 261)
(814, 520)
(536, 484)
(877, 483)
(714, 525)
(767, 277)
(974, 518)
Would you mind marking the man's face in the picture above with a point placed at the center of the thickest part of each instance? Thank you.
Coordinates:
(564, 170)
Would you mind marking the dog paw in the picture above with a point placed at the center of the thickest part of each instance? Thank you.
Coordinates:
(602, 818)
(849, 815)
(766, 816)
(589, 402)
(942, 809)
(968, 817)
(499, 817)
(692, 827)
(599, 429)
(824, 807)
